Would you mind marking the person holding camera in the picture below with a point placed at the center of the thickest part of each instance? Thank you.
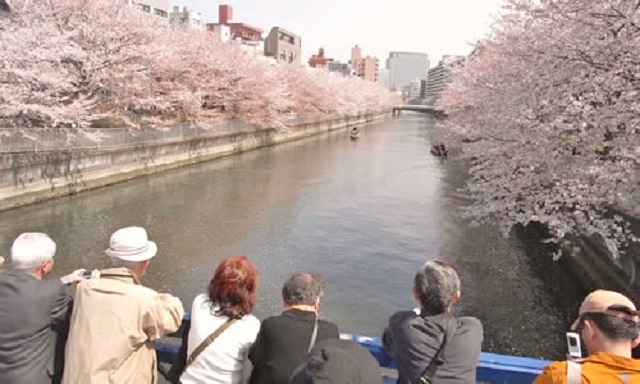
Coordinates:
(430, 344)
(33, 313)
(116, 320)
(609, 325)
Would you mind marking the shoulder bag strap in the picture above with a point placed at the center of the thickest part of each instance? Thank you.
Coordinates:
(574, 372)
(205, 343)
(438, 360)
(314, 334)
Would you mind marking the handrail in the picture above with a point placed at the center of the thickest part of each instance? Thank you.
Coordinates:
(492, 367)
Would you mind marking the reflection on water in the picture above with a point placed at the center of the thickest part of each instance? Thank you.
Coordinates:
(365, 214)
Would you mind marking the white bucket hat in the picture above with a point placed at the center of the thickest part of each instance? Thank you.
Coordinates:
(131, 244)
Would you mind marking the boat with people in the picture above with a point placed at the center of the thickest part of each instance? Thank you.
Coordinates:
(354, 133)
(492, 368)
(439, 150)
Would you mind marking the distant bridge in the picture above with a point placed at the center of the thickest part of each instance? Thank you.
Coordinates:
(415, 108)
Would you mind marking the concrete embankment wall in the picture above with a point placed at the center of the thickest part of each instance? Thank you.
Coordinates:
(31, 177)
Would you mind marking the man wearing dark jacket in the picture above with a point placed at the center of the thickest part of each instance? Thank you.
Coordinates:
(33, 313)
(413, 338)
(283, 341)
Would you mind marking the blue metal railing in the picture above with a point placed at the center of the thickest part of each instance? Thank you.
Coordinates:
(492, 368)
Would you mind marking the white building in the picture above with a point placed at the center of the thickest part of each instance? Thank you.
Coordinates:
(343, 69)
(440, 76)
(182, 17)
(405, 67)
(222, 31)
(255, 48)
(414, 89)
(155, 7)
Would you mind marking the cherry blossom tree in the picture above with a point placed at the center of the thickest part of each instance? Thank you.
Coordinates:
(71, 62)
(548, 109)
(66, 60)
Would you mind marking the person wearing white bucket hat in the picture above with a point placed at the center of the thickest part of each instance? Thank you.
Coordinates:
(115, 319)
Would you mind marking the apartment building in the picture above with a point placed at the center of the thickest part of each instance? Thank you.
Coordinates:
(365, 67)
(283, 45)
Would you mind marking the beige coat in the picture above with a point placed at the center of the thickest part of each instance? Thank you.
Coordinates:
(114, 323)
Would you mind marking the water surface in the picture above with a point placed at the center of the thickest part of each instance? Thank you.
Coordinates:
(365, 214)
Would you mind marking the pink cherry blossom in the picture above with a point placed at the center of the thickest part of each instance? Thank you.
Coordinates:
(548, 109)
(70, 62)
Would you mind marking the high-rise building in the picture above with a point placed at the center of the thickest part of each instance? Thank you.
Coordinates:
(405, 67)
(365, 67)
(283, 45)
(440, 76)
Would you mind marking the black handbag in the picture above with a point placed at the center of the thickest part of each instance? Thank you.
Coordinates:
(180, 363)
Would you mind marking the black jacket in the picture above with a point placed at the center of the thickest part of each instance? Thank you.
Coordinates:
(282, 344)
(34, 317)
(412, 341)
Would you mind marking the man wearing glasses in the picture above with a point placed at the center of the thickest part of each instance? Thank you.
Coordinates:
(610, 327)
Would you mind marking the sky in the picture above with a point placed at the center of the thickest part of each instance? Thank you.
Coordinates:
(435, 27)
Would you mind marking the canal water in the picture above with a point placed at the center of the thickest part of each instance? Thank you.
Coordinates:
(365, 214)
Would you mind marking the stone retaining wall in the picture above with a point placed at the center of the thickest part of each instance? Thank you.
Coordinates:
(31, 177)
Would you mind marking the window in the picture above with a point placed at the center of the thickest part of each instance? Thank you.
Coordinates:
(286, 38)
(283, 55)
(291, 57)
(146, 8)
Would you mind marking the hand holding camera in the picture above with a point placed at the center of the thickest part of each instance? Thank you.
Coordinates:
(77, 276)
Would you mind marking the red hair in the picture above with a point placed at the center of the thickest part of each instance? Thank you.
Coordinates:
(233, 287)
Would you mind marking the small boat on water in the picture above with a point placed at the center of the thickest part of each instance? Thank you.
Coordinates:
(438, 150)
(354, 133)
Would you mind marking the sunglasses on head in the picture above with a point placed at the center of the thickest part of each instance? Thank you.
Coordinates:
(623, 309)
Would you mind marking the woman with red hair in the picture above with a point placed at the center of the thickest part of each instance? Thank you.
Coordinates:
(224, 312)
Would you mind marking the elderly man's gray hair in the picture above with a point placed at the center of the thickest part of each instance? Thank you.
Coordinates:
(436, 283)
(30, 250)
(302, 289)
